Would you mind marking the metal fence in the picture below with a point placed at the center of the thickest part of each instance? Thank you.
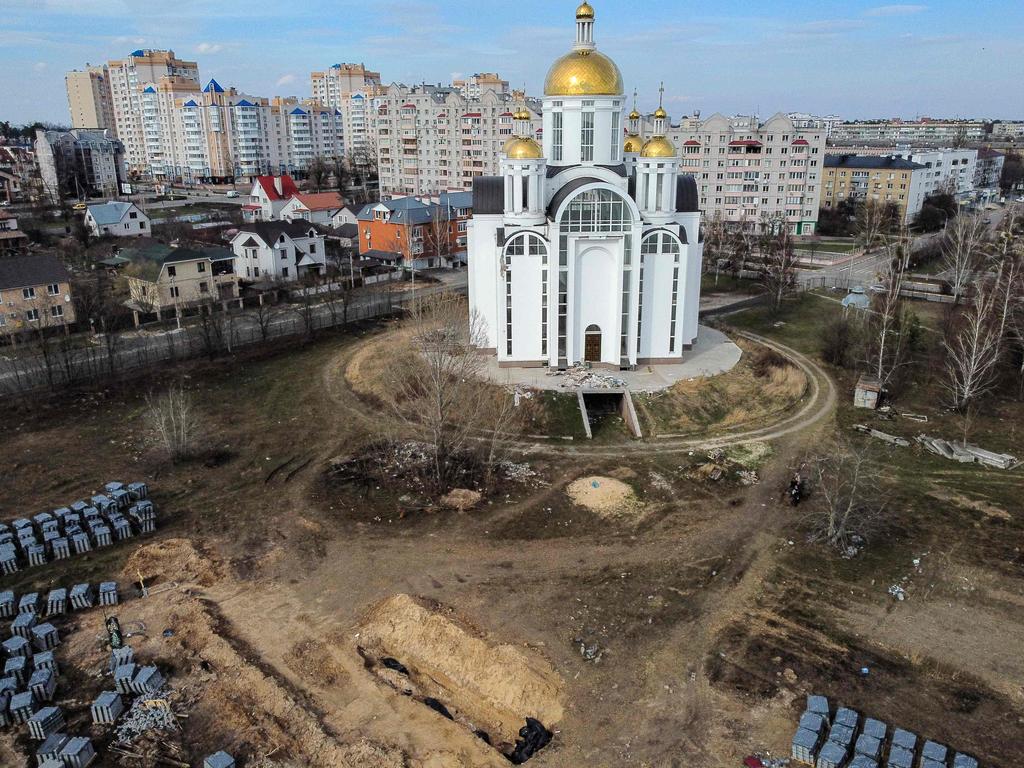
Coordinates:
(57, 363)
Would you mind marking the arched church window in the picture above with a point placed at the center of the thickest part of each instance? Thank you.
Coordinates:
(526, 244)
(597, 210)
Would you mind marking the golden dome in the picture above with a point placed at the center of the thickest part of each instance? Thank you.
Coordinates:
(585, 11)
(583, 73)
(634, 115)
(658, 146)
(660, 113)
(521, 114)
(522, 149)
(633, 144)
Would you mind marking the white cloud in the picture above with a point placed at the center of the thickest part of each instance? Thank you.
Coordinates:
(39, 66)
(895, 10)
(209, 48)
(286, 80)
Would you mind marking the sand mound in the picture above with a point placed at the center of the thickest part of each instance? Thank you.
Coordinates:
(604, 496)
(461, 499)
(171, 560)
(496, 687)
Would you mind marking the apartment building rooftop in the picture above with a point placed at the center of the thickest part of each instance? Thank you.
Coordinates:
(869, 162)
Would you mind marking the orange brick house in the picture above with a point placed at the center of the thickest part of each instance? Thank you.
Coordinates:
(416, 234)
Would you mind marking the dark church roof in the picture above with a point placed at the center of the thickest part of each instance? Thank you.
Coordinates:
(488, 195)
(687, 199)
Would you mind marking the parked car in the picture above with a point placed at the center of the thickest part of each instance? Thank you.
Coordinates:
(231, 193)
(79, 206)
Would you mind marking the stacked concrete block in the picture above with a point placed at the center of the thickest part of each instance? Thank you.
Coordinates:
(78, 507)
(108, 593)
(17, 668)
(862, 761)
(50, 749)
(874, 728)
(868, 746)
(812, 721)
(103, 536)
(112, 486)
(36, 554)
(78, 752)
(57, 602)
(900, 757)
(42, 684)
(45, 722)
(123, 676)
(122, 528)
(5, 713)
(16, 646)
(138, 491)
(22, 707)
(8, 559)
(103, 504)
(964, 761)
(81, 543)
(848, 717)
(51, 762)
(121, 498)
(42, 519)
(22, 625)
(144, 515)
(119, 657)
(45, 660)
(147, 680)
(107, 708)
(9, 684)
(29, 603)
(219, 760)
(805, 745)
(60, 547)
(818, 704)
(933, 755)
(81, 596)
(6, 605)
(45, 637)
(831, 756)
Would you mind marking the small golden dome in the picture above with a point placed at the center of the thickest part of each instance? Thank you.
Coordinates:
(585, 11)
(658, 146)
(660, 113)
(522, 149)
(521, 114)
(634, 115)
(633, 144)
(583, 73)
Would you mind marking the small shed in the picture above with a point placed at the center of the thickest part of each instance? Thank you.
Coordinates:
(868, 392)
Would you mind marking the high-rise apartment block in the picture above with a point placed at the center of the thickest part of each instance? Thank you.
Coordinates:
(89, 99)
(331, 85)
(473, 87)
(432, 139)
(923, 131)
(747, 169)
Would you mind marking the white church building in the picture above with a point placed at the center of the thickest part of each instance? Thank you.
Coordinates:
(586, 248)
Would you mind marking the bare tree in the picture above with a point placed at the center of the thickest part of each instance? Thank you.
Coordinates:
(439, 398)
(972, 349)
(318, 172)
(963, 252)
(845, 496)
(264, 314)
(438, 233)
(890, 327)
(175, 423)
(716, 242)
(873, 221)
(777, 260)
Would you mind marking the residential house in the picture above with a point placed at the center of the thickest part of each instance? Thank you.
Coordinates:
(316, 208)
(10, 186)
(118, 219)
(989, 170)
(17, 172)
(271, 251)
(80, 163)
(35, 292)
(416, 234)
(12, 239)
(347, 214)
(269, 196)
(878, 179)
(164, 278)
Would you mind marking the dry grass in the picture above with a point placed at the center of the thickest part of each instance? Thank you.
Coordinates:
(373, 369)
(762, 385)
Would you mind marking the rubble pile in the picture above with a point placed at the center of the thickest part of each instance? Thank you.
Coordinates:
(143, 717)
(584, 377)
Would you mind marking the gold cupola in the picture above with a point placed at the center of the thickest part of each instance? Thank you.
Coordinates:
(520, 146)
(633, 143)
(584, 71)
(658, 145)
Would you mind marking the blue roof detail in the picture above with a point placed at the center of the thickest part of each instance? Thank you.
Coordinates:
(110, 212)
(213, 87)
(244, 103)
(337, 113)
(297, 111)
(149, 89)
(138, 52)
(358, 96)
(190, 103)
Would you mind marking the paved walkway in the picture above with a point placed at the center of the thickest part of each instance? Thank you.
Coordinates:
(712, 354)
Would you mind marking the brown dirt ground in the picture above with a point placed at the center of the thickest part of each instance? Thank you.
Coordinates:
(698, 610)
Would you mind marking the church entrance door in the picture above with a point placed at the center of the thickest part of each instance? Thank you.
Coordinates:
(592, 347)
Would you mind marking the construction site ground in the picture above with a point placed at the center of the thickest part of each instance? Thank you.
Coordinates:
(685, 633)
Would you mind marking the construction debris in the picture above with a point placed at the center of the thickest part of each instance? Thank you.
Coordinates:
(878, 434)
(965, 453)
(143, 717)
(582, 376)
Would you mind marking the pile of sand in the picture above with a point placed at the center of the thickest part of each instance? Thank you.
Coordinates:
(604, 496)
(496, 687)
(461, 499)
(171, 560)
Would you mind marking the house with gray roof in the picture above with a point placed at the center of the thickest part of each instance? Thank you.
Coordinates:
(35, 292)
(163, 278)
(279, 251)
(117, 218)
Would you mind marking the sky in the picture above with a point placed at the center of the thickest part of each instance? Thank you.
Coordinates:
(941, 58)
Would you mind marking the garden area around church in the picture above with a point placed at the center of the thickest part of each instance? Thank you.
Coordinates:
(646, 602)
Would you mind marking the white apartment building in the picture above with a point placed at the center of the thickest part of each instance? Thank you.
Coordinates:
(80, 163)
(475, 86)
(333, 84)
(432, 139)
(128, 79)
(746, 169)
(924, 131)
(824, 123)
(952, 170)
(1003, 131)
(89, 99)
